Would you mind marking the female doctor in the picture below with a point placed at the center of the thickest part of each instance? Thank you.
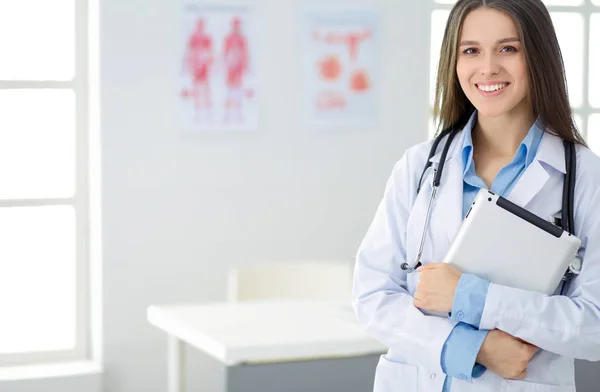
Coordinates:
(501, 82)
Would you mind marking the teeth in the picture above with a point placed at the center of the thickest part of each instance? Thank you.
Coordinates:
(491, 88)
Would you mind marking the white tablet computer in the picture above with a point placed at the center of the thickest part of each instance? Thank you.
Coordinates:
(508, 245)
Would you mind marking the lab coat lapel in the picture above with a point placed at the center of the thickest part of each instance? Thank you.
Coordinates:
(530, 183)
(551, 152)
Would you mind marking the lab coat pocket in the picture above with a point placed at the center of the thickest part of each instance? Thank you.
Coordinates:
(395, 377)
(525, 386)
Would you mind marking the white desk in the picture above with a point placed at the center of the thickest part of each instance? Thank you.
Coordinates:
(265, 331)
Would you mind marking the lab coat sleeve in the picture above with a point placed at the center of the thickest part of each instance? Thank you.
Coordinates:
(565, 325)
(380, 298)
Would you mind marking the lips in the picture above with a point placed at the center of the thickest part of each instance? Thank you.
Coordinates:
(492, 87)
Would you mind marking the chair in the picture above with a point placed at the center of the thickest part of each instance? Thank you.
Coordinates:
(318, 280)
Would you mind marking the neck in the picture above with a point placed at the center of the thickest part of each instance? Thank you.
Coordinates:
(501, 136)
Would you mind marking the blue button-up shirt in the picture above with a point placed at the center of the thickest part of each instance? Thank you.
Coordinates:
(464, 342)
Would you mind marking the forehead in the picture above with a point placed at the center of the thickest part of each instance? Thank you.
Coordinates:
(488, 25)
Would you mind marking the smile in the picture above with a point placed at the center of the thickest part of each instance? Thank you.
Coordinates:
(490, 88)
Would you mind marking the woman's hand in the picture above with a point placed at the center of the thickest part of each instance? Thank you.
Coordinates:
(506, 355)
(435, 291)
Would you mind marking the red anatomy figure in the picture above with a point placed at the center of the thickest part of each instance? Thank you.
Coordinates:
(236, 58)
(197, 62)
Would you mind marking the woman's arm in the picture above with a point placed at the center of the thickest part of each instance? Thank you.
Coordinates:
(380, 299)
(565, 325)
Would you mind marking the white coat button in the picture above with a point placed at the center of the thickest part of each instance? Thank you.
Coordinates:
(432, 376)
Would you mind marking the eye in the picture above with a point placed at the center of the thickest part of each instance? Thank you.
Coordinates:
(509, 49)
(470, 51)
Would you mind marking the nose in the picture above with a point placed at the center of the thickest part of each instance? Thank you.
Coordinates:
(490, 65)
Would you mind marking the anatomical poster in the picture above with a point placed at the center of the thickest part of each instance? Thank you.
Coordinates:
(340, 66)
(217, 74)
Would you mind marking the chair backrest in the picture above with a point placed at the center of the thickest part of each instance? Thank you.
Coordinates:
(322, 280)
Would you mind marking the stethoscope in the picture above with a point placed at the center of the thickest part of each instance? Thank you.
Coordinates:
(436, 184)
(566, 221)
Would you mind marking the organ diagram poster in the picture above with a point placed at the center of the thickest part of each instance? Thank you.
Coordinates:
(340, 66)
(217, 74)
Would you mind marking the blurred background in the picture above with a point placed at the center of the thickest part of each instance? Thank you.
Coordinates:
(149, 147)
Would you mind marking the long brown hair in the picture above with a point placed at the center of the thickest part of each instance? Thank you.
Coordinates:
(547, 81)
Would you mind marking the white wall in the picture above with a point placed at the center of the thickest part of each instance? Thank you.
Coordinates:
(179, 211)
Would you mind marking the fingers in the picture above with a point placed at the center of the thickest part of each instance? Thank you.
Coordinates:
(523, 341)
(430, 266)
(531, 350)
(520, 340)
(418, 301)
(527, 349)
(521, 375)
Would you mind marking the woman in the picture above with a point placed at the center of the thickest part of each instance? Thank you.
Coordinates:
(501, 82)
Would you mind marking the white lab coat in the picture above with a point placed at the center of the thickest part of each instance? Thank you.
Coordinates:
(564, 327)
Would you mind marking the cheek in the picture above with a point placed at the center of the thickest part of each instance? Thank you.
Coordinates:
(522, 75)
(463, 73)
(520, 69)
(522, 78)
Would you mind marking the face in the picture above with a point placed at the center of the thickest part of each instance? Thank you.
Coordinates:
(491, 64)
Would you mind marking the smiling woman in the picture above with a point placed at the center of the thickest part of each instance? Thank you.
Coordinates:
(506, 126)
(500, 45)
(577, 26)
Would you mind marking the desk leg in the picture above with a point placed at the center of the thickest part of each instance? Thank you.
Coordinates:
(176, 365)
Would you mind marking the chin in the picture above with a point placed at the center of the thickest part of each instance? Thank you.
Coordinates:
(492, 111)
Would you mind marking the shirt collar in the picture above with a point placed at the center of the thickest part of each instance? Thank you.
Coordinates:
(528, 146)
(467, 149)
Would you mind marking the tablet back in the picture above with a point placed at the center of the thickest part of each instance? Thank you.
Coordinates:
(510, 246)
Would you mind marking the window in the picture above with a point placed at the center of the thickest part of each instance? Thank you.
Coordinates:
(577, 24)
(44, 181)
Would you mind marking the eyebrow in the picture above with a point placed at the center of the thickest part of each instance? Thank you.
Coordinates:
(502, 41)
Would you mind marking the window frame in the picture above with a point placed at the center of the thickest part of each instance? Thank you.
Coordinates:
(80, 200)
